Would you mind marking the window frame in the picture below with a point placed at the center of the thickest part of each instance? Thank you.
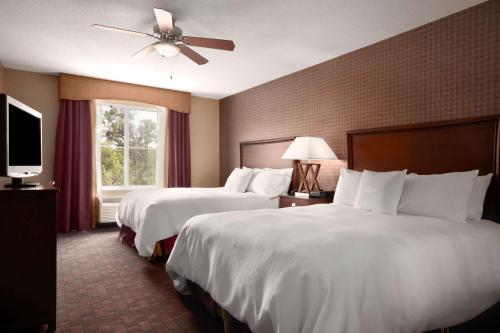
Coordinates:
(160, 153)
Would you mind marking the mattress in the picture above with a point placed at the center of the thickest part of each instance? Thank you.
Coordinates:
(331, 268)
(157, 214)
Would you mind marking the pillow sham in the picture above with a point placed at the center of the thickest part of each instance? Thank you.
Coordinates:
(379, 192)
(238, 180)
(287, 172)
(347, 187)
(267, 183)
(444, 196)
(478, 194)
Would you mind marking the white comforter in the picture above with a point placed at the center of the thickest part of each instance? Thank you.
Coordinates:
(328, 268)
(157, 214)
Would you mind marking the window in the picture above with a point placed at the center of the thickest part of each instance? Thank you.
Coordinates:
(129, 146)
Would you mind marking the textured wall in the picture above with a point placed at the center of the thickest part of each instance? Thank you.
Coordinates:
(444, 70)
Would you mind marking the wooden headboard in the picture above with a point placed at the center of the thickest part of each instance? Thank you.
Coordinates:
(267, 154)
(458, 145)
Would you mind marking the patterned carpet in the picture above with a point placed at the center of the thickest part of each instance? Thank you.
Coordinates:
(104, 286)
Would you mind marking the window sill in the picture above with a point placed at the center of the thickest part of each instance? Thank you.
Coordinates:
(127, 188)
(120, 191)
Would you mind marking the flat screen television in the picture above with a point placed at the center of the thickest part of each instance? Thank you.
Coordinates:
(20, 141)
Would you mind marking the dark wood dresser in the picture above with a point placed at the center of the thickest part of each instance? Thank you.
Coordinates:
(27, 258)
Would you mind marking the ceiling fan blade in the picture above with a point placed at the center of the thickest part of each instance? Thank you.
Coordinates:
(221, 44)
(130, 32)
(145, 51)
(164, 19)
(193, 55)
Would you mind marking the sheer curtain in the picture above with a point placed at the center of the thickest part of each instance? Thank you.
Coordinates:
(73, 165)
(179, 150)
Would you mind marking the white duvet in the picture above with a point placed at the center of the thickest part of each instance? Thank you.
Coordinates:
(330, 268)
(156, 214)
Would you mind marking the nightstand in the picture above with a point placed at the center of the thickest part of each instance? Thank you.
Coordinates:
(292, 201)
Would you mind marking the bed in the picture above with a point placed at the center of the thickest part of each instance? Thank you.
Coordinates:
(272, 271)
(150, 219)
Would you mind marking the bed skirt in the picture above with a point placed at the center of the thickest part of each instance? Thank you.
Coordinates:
(231, 324)
(486, 322)
(162, 247)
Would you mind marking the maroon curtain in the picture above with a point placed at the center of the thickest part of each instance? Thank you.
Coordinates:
(73, 165)
(179, 151)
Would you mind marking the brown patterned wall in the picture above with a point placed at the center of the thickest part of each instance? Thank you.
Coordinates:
(444, 70)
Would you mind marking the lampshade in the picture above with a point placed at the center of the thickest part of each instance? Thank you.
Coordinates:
(167, 49)
(309, 148)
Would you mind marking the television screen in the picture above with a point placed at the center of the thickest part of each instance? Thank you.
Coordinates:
(24, 138)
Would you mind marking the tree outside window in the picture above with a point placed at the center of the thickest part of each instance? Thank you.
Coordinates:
(130, 146)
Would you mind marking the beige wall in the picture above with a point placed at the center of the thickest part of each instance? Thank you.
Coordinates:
(204, 123)
(39, 91)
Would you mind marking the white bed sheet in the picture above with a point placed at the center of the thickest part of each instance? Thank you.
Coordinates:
(156, 214)
(331, 268)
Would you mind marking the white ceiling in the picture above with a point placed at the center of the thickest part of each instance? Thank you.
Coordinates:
(273, 37)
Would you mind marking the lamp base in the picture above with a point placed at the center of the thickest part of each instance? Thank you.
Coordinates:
(304, 169)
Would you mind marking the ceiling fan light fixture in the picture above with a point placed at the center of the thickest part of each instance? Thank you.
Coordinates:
(170, 41)
(168, 50)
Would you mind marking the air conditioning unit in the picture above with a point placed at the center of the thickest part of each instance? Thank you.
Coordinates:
(108, 206)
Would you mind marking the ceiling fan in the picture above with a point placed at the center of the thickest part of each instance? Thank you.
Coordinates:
(170, 41)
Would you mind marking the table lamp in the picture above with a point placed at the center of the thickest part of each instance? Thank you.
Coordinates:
(309, 148)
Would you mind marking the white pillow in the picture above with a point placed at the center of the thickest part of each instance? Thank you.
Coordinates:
(347, 187)
(443, 196)
(380, 192)
(268, 183)
(238, 180)
(287, 172)
(250, 187)
(476, 202)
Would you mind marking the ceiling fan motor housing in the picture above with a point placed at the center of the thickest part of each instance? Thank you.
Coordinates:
(174, 36)
(171, 40)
